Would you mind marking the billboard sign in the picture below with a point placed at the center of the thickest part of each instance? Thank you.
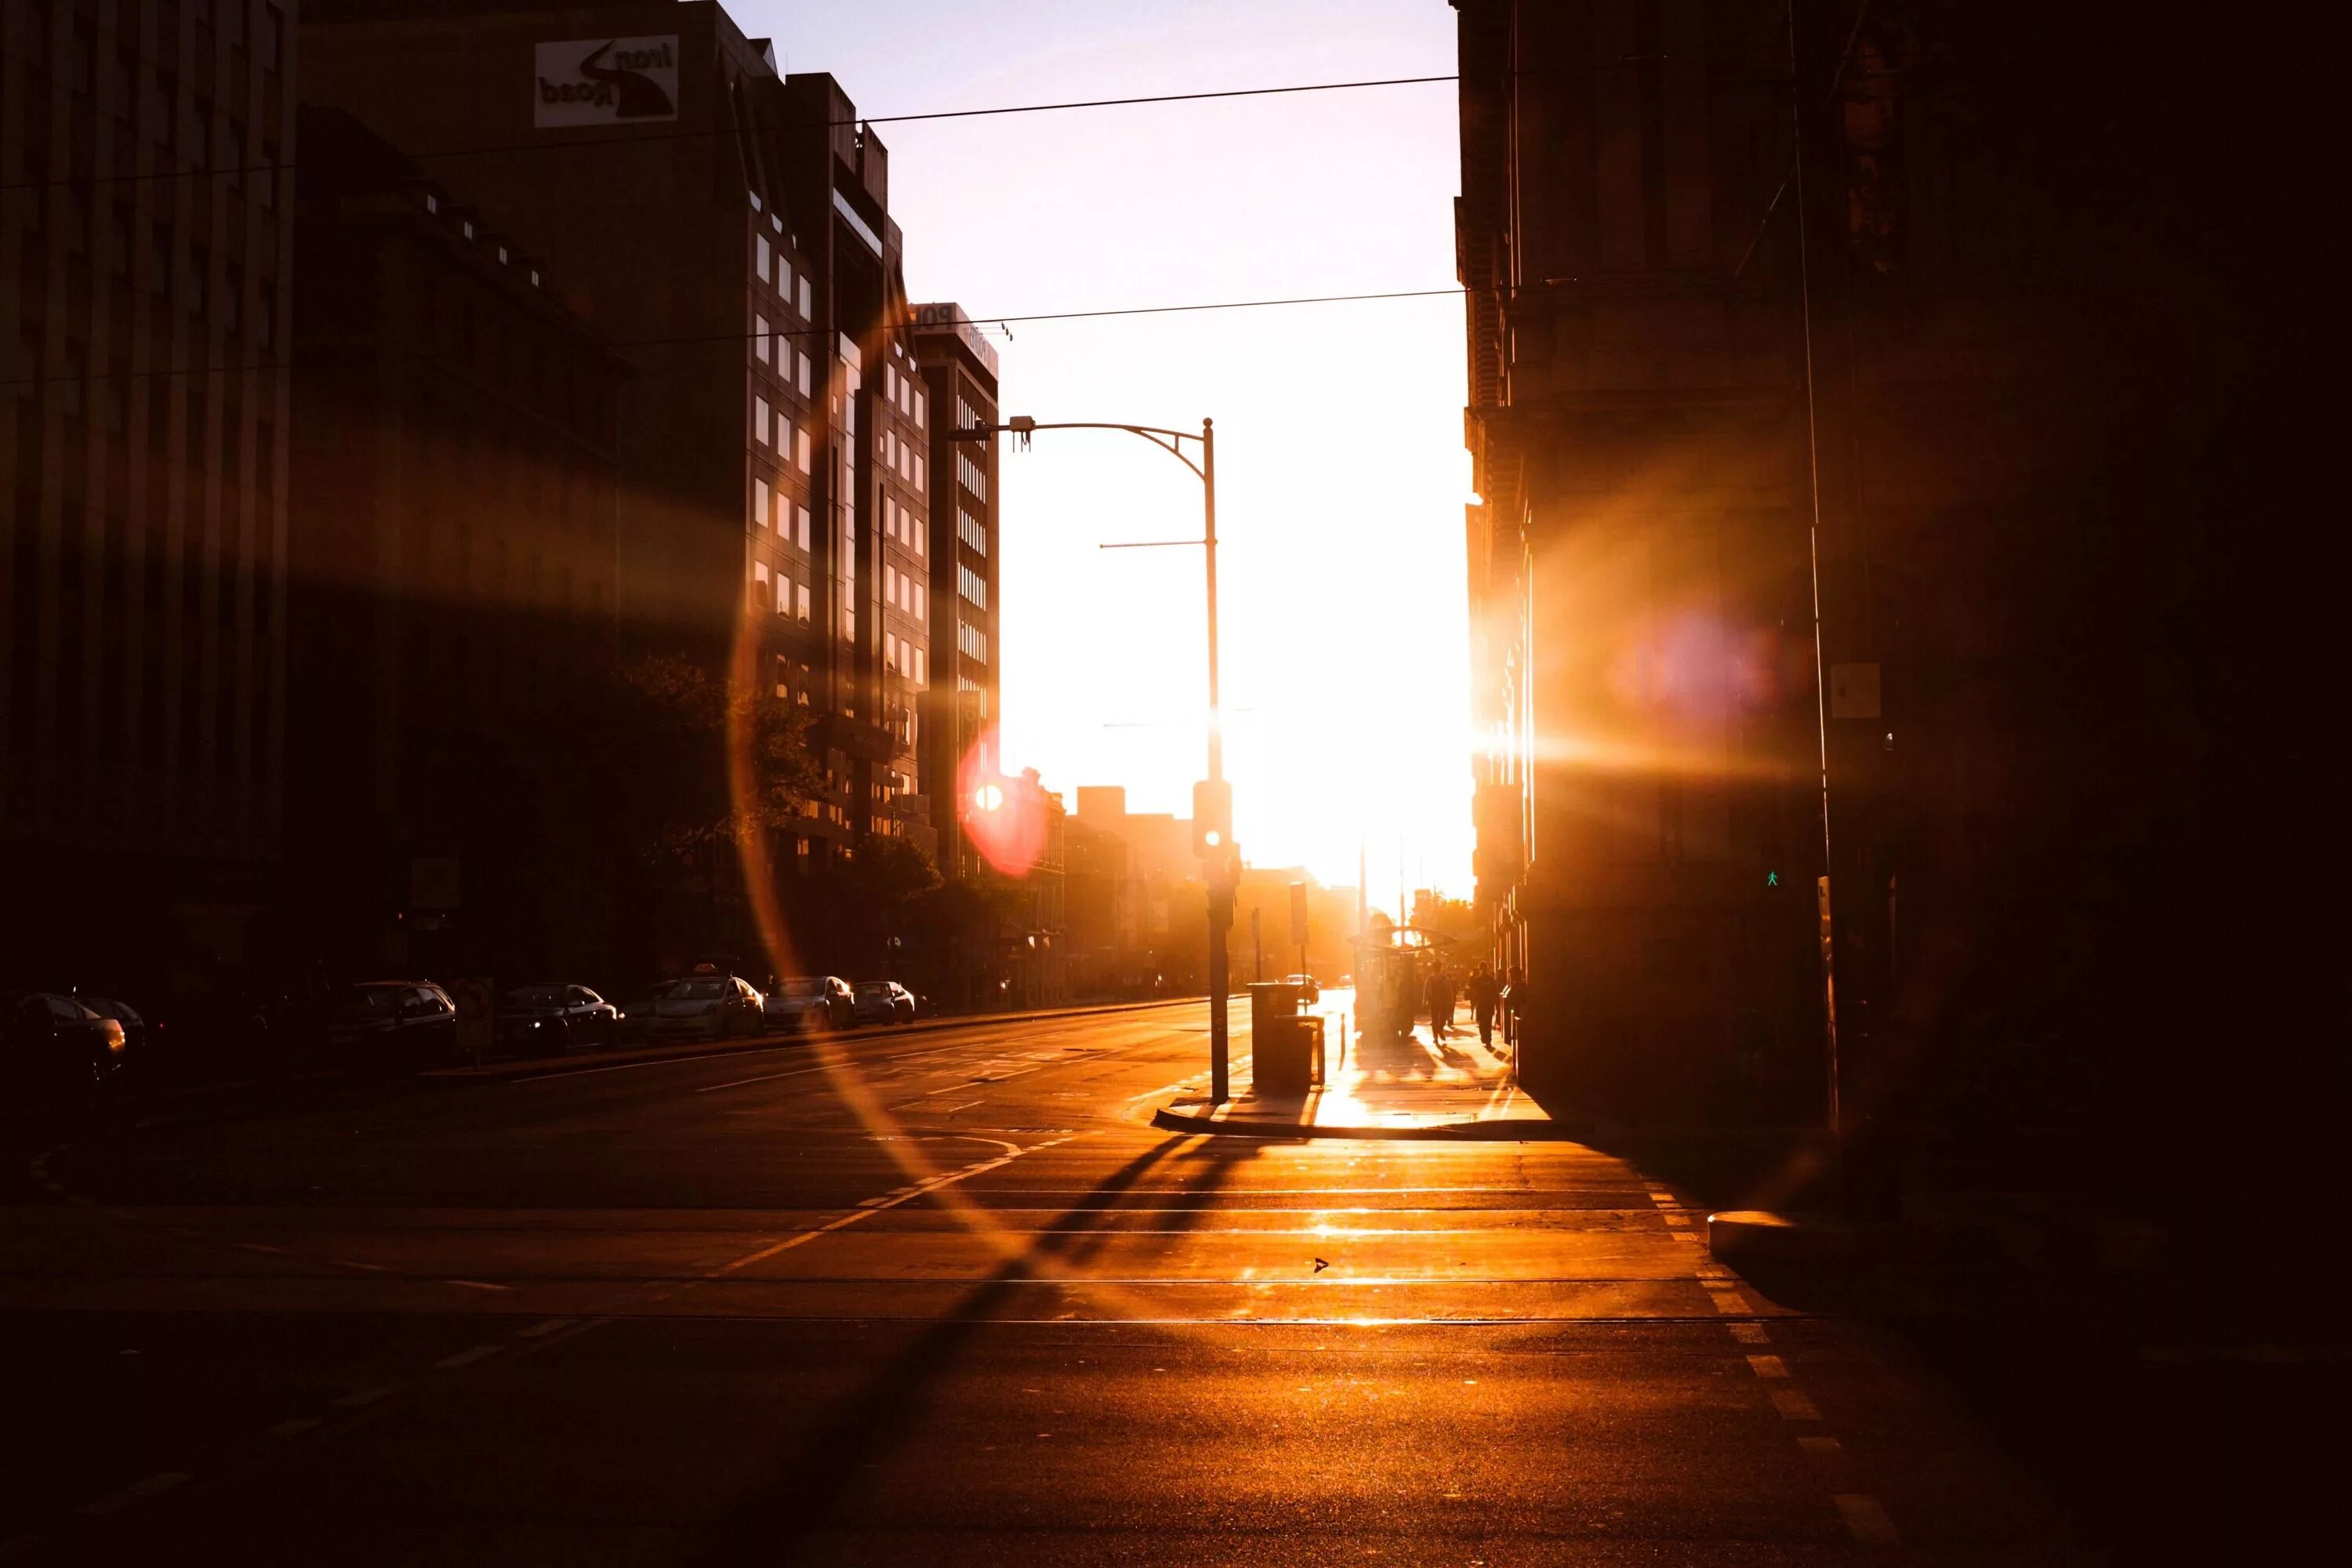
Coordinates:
(604, 81)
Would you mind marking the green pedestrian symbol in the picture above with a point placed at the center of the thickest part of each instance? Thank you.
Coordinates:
(1772, 879)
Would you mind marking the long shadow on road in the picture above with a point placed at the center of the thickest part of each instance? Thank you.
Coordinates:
(828, 1473)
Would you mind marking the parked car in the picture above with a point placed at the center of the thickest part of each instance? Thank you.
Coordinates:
(1307, 987)
(137, 1033)
(711, 1005)
(810, 1003)
(393, 1023)
(881, 1002)
(52, 1045)
(556, 1016)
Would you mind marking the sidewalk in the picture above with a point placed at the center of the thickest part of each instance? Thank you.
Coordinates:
(1391, 1087)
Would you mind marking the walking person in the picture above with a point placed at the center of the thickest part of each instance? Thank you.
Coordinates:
(1438, 994)
(1482, 994)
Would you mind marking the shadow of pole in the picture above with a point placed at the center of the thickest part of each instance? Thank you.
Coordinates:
(828, 1472)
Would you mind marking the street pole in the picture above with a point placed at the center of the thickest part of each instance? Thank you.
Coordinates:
(1224, 863)
(1221, 889)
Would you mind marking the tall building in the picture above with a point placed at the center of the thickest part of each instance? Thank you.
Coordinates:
(456, 566)
(728, 231)
(959, 367)
(145, 241)
(1844, 407)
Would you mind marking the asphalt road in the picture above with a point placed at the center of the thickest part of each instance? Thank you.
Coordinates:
(934, 1298)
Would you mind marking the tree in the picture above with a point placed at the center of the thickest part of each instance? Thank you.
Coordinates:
(705, 764)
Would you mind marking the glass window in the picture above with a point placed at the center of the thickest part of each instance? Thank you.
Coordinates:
(759, 420)
(760, 338)
(803, 379)
(763, 257)
(759, 503)
(803, 456)
(805, 310)
(803, 528)
(804, 597)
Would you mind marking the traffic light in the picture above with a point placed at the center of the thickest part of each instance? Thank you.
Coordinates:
(1213, 819)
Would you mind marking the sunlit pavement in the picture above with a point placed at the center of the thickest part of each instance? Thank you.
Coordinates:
(1390, 1083)
(937, 1300)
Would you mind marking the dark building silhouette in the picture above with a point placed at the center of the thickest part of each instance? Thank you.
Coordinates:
(145, 242)
(1958, 452)
(728, 231)
(454, 563)
(959, 366)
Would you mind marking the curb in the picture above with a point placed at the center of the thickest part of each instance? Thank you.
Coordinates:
(1169, 1120)
(556, 1067)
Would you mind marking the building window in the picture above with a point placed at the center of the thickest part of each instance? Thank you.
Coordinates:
(922, 474)
(803, 590)
(804, 377)
(760, 338)
(760, 502)
(804, 311)
(921, 674)
(759, 420)
(763, 257)
(971, 531)
(973, 477)
(973, 586)
(801, 454)
(920, 401)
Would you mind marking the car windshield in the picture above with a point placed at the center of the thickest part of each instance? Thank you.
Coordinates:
(802, 990)
(375, 1001)
(697, 990)
(874, 990)
(537, 996)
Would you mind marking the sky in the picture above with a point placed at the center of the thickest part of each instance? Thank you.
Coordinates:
(1341, 476)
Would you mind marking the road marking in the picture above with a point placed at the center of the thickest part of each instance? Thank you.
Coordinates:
(1770, 1367)
(1751, 1334)
(257, 1247)
(467, 1358)
(162, 1481)
(801, 1238)
(1793, 1405)
(347, 1263)
(1820, 1446)
(365, 1396)
(1866, 1519)
(293, 1427)
(476, 1285)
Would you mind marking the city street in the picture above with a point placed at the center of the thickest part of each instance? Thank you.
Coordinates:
(948, 1300)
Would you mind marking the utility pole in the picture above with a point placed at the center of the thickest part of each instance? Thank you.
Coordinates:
(1221, 860)
(1226, 862)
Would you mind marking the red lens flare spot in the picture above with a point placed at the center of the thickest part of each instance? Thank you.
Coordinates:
(1004, 815)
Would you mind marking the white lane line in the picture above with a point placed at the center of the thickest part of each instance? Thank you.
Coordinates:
(1772, 1368)
(467, 1358)
(162, 1481)
(1820, 1446)
(347, 1263)
(541, 1329)
(1793, 1405)
(801, 1238)
(1750, 1334)
(476, 1285)
(364, 1396)
(1866, 1519)
(864, 1066)
(293, 1427)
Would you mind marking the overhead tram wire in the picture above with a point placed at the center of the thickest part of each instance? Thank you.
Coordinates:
(779, 332)
(630, 138)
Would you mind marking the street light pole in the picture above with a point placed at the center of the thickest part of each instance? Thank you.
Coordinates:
(1224, 866)
(1221, 887)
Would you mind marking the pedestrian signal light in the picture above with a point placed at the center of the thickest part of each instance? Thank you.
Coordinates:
(1212, 817)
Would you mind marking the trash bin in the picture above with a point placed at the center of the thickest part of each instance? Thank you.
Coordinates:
(1285, 1041)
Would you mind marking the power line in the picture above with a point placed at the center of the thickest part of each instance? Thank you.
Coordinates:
(755, 129)
(707, 338)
